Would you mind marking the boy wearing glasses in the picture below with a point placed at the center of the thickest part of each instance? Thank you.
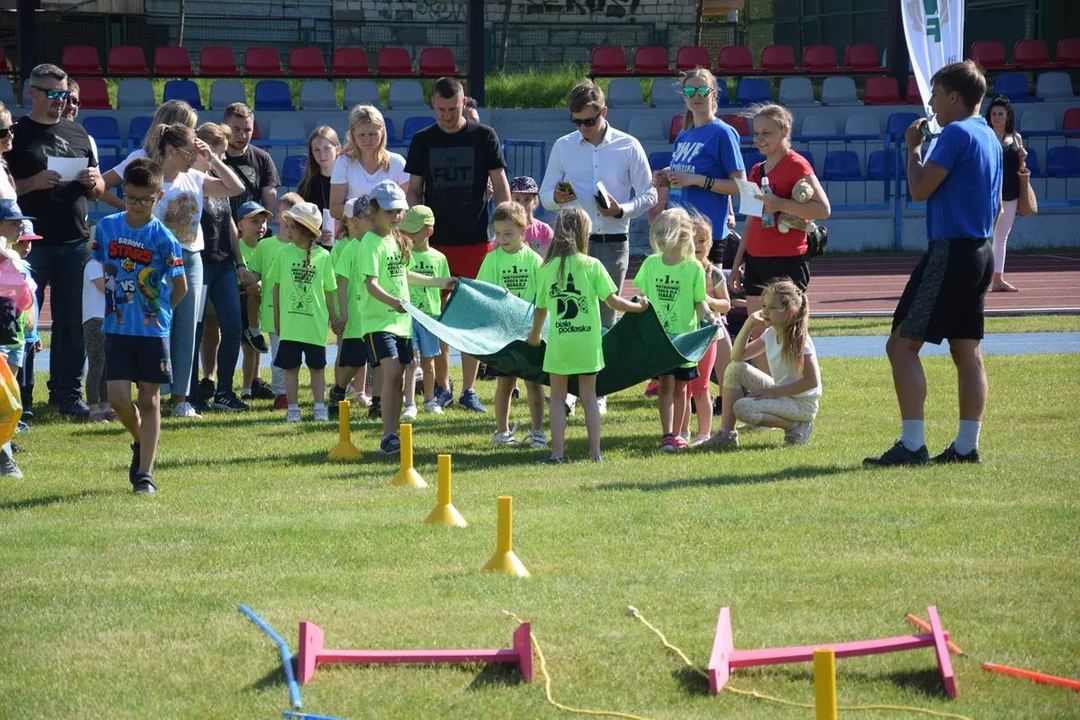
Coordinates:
(143, 282)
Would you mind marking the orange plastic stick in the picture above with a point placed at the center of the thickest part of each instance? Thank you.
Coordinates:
(925, 627)
(1032, 675)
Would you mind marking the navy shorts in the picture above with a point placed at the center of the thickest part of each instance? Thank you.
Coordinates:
(289, 353)
(353, 353)
(382, 345)
(946, 294)
(683, 374)
(137, 359)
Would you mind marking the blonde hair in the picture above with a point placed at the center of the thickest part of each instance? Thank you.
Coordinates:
(367, 115)
(176, 136)
(5, 112)
(710, 81)
(171, 112)
(795, 303)
(291, 199)
(779, 115)
(672, 231)
(513, 212)
(213, 134)
(571, 229)
(311, 169)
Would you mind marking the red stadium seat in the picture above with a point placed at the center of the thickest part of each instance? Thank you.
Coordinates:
(255, 130)
(1032, 55)
(127, 60)
(217, 61)
(350, 62)
(740, 123)
(394, 62)
(881, 90)
(778, 59)
(80, 60)
(692, 56)
(608, 60)
(172, 61)
(437, 62)
(675, 128)
(819, 59)
(913, 96)
(262, 62)
(93, 94)
(1071, 121)
(307, 62)
(990, 54)
(862, 58)
(1068, 52)
(735, 60)
(651, 60)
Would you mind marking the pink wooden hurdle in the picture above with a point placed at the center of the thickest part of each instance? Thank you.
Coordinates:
(312, 654)
(726, 658)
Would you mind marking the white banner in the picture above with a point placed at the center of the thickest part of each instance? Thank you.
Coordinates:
(935, 37)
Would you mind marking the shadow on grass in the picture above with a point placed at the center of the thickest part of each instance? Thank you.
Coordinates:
(736, 478)
(692, 682)
(925, 682)
(274, 678)
(47, 500)
(310, 458)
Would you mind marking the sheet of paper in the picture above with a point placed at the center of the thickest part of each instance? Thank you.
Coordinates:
(328, 224)
(749, 205)
(68, 167)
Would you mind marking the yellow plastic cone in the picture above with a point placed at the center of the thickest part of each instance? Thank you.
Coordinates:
(504, 560)
(445, 513)
(407, 475)
(344, 450)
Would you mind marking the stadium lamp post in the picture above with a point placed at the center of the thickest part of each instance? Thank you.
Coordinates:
(476, 49)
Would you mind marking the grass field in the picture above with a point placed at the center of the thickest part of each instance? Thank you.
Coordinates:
(119, 606)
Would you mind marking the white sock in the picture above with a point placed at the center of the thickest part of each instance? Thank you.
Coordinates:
(294, 406)
(245, 391)
(967, 438)
(320, 406)
(913, 434)
(255, 330)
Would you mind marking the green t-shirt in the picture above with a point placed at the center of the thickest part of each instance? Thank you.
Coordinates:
(517, 272)
(432, 263)
(339, 249)
(381, 258)
(341, 258)
(261, 262)
(304, 314)
(574, 331)
(672, 290)
(247, 252)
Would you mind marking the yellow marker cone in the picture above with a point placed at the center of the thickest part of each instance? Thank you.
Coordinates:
(504, 560)
(344, 450)
(407, 475)
(445, 513)
(825, 684)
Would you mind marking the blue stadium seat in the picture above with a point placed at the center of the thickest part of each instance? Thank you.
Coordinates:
(842, 165)
(1032, 162)
(899, 122)
(1063, 161)
(107, 163)
(273, 95)
(137, 129)
(659, 160)
(1014, 86)
(881, 165)
(753, 90)
(809, 156)
(391, 135)
(292, 170)
(413, 125)
(185, 90)
(7, 92)
(751, 157)
(105, 131)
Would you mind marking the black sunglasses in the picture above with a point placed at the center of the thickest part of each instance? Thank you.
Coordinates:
(6, 132)
(587, 122)
(74, 101)
(53, 94)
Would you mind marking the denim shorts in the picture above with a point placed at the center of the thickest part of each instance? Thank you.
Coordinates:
(16, 356)
(426, 344)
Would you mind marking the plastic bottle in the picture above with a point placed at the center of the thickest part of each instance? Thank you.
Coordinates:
(767, 219)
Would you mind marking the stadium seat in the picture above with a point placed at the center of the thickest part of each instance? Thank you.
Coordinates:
(1063, 161)
(881, 90)
(839, 90)
(1013, 85)
(1032, 162)
(819, 59)
(1032, 55)
(4, 65)
(659, 160)
(646, 128)
(1036, 120)
(862, 124)
(1068, 52)
(137, 129)
(675, 127)
(899, 122)
(394, 62)
(809, 157)
(990, 54)
(413, 125)
(751, 157)
(406, 95)
(666, 94)
(350, 62)
(692, 56)
(881, 165)
(273, 95)
(1071, 121)
(912, 96)
(135, 94)
(226, 92)
(318, 95)
(651, 60)
(779, 59)
(842, 166)
(436, 62)
(735, 60)
(307, 62)
(1054, 86)
(217, 61)
(391, 134)
(796, 91)
(288, 128)
(861, 58)
(127, 60)
(7, 92)
(608, 60)
(26, 99)
(80, 60)
(262, 62)
(292, 170)
(625, 92)
(185, 90)
(753, 90)
(93, 94)
(818, 125)
(361, 92)
(172, 61)
(104, 129)
(740, 123)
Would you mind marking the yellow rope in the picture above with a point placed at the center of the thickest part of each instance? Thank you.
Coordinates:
(760, 696)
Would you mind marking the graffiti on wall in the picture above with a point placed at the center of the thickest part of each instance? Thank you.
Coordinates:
(604, 8)
(441, 11)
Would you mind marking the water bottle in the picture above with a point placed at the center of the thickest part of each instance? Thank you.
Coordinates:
(767, 219)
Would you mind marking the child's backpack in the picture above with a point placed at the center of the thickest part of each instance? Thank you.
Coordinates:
(16, 286)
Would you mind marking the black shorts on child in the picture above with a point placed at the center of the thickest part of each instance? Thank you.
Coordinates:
(137, 359)
(353, 353)
(758, 272)
(683, 374)
(289, 354)
(382, 345)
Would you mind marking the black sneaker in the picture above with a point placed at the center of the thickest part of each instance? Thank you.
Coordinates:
(256, 341)
(390, 445)
(143, 484)
(207, 387)
(951, 456)
(27, 414)
(375, 411)
(199, 404)
(133, 469)
(261, 390)
(718, 406)
(336, 395)
(552, 460)
(899, 455)
(75, 407)
(229, 402)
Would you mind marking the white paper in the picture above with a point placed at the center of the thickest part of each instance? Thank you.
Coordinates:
(749, 205)
(328, 224)
(68, 167)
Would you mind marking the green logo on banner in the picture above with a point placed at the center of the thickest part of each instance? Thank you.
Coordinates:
(933, 21)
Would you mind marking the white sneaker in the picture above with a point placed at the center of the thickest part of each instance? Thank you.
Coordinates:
(506, 439)
(321, 413)
(185, 410)
(537, 440)
(292, 415)
(699, 440)
(363, 399)
(433, 406)
(799, 433)
(601, 404)
(409, 412)
(571, 403)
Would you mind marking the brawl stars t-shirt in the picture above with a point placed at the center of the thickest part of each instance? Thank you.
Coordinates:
(432, 263)
(571, 289)
(516, 272)
(302, 289)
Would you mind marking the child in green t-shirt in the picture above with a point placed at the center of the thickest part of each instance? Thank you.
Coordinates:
(358, 223)
(251, 220)
(674, 282)
(572, 284)
(514, 266)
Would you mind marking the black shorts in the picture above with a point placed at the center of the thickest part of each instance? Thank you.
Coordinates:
(683, 374)
(353, 353)
(382, 345)
(758, 272)
(137, 359)
(289, 353)
(946, 294)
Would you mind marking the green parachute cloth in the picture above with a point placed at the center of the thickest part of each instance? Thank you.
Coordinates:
(487, 322)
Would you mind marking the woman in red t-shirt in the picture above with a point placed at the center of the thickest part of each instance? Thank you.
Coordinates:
(766, 254)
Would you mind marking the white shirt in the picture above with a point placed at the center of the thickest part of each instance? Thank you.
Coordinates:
(180, 208)
(120, 167)
(359, 181)
(784, 372)
(93, 300)
(618, 161)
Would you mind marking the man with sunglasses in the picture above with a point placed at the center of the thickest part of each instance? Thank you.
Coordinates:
(61, 208)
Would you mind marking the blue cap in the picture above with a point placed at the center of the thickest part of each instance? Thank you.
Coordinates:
(10, 210)
(389, 195)
(250, 208)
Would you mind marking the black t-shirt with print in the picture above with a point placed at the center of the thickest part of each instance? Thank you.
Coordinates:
(216, 228)
(455, 169)
(256, 170)
(60, 211)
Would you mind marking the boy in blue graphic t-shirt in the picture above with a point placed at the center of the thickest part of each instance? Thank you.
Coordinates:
(143, 281)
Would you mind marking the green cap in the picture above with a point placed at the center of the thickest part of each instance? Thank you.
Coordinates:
(417, 217)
